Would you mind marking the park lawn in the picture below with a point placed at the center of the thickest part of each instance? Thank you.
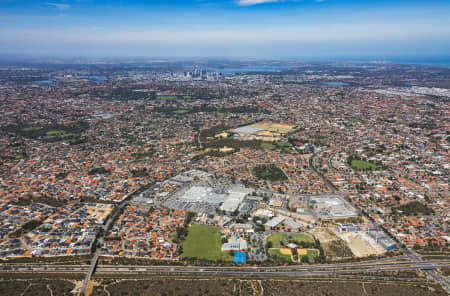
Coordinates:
(277, 238)
(276, 253)
(268, 146)
(425, 107)
(310, 253)
(181, 111)
(353, 119)
(167, 97)
(31, 129)
(357, 164)
(285, 147)
(300, 237)
(204, 242)
(60, 134)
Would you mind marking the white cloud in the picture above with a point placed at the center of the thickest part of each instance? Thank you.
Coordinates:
(359, 33)
(254, 2)
(61, 6)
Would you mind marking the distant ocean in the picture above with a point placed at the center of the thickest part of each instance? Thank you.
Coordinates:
(437, 62)
(250, 69)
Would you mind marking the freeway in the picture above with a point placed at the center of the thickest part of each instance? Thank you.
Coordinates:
(329, 268)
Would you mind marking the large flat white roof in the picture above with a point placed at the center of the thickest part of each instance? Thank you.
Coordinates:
(233, 201)
(247, 130)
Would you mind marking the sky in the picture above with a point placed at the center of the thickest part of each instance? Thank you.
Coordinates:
(225, 28)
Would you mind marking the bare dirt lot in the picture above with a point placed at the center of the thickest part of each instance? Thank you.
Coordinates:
(333, 246)
(361, 244)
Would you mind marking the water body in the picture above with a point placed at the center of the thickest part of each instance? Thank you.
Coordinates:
(332, 83)
(97, 78)
(48, 81)
(437, 62)
(250, 69)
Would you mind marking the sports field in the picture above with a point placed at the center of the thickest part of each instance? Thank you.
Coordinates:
(362, 165)
(277, 238)
(310, 253)
(204, 242)
(167, 97)
(284, 254)
(181, 111)
(61, 134)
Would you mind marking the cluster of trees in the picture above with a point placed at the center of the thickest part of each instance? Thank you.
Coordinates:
(43, 199)
(340, 249)
(90, 199)
(27, 227)
(413, 208)
(269, 172)
(233, 143)
(138, 173)
(51, 133)
(124, 94)
(211, 132)
(143, 154)
(114, 216)
(98, 171)
(82, 259)
(208, 108)
(182, 231)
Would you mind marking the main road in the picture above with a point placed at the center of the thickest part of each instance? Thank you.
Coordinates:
(246, 270)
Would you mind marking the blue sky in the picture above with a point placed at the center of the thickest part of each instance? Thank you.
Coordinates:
(257, 28)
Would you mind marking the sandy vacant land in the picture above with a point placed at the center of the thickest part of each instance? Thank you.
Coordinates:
(332, 245)
(361, 244)
(323, 234)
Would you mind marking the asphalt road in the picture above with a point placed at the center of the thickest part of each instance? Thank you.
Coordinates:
(230, 270)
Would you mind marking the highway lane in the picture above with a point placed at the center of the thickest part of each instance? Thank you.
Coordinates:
(294, 267)
(259, 274)
(426, 265)
(247, 273)
(315, 266)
